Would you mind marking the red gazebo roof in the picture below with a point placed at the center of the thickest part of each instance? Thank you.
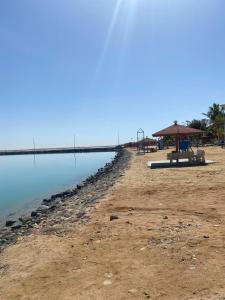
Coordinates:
(177, 129)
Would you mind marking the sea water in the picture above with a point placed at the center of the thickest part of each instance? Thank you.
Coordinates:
(26, 179)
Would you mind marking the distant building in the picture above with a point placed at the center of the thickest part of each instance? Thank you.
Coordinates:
(147, 142)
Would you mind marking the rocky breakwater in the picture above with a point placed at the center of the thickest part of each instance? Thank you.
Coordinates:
(69, 206)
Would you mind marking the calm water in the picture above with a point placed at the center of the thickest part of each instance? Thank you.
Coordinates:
(25, 180)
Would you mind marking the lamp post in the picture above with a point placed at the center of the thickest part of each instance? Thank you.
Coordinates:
(223, 108)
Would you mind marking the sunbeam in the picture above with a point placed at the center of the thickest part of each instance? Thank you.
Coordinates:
(108, 37)
(130, 6)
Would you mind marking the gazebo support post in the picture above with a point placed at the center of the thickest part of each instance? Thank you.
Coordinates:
(177, 143)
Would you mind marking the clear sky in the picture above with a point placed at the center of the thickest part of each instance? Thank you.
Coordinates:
(96, 67)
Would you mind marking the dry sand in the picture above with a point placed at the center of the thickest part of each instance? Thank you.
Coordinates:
(168, 243)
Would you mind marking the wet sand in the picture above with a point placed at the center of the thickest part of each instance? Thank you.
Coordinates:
(167, 243)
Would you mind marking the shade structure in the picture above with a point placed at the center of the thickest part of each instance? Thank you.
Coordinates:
(178, 130)
(149, 142)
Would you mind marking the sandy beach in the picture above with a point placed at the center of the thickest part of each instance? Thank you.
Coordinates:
(166, 241)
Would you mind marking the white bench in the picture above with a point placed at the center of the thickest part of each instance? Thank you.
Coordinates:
(180, 155)
(199, 156)
(190, 155)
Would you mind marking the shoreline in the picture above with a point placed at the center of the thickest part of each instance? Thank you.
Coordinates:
(67, 206)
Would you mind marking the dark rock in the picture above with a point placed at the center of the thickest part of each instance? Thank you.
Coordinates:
(53, 207)
(46, 201)
(206, 236)
(165, 218)
(9, 223)
(17, 226)
(24, 219)
(79, 186)
(113, 217)
(34, 214)
(61, 195)
(74, 191)
(80, 215)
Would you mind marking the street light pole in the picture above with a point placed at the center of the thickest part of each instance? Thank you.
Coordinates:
(223, 108)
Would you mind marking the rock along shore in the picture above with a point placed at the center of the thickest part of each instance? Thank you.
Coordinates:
(69, 206)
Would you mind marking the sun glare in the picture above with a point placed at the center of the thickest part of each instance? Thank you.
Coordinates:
(130, 7)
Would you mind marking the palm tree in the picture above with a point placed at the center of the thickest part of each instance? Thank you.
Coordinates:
(216, 120)
(214, 111)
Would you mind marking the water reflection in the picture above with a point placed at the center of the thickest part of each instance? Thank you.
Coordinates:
(25, 179)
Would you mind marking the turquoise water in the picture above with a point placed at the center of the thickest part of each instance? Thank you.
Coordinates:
(26, 179)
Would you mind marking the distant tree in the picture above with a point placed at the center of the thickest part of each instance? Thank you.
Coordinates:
(198, 124)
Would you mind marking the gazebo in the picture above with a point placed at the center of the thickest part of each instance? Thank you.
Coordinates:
(179, 131)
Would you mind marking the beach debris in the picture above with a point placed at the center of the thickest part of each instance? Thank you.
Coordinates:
(113, 217)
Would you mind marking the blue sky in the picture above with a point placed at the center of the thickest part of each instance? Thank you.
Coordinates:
(96, 67)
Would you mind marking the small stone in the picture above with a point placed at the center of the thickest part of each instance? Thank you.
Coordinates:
(114, 217)
(132, 291)
(81, 214)
(165, 218)
(107, 282)
(42, 208)
(206, 236)
(108, 275)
